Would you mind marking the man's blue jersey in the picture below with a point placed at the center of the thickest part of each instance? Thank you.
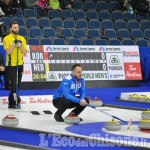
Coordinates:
(71, 89)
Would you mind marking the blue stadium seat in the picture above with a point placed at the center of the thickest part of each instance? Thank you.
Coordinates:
(145, 24)
(89, 5)
(80, 24)
(35, 32)
(19, 13)
(107, 24)
(143, 16)
(87, 42)
(69, 23)
(147, 34)
(56, 23)
(77, 5)
(127, 41)
(128, 16)
(79, 33)
(59, 41)
(66, 33)
(23, 31)
(29, 13)
(114, 5)
(91, 15)
(120, 24)
(30, 22)
(78, 14)
(123, 33)
(101, 5)
(104, 15)
(133, 24)
(100, 42)
(66, 14)
(93, 33)
(74, 41)
(110, 33)
(117, 15)
(6, 21)
(49, 32)
(20, 21)
(44, 22)
(53, 14)
(142, 43)
(46, 41)
(114, 42)
(33, 41)
(136, 33)
(94, 24)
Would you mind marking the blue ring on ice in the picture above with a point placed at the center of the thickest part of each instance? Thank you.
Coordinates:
(95, 128)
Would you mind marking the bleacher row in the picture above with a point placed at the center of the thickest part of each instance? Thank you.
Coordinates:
(89, 23)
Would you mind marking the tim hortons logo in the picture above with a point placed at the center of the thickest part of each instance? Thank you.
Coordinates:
(39, 100)
(5, 101)
(133, 71)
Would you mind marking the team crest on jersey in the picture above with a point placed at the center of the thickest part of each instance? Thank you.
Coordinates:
(79, 85)
(72, 86)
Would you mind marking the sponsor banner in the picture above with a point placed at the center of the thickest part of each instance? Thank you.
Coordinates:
(56, 48)
(132, 71)
(110, 49)
(36, 100)
(88, 75)
(66, 48)
(96, 75)
(136, 96)
(131, 54)
(27, 73)
(115, 66)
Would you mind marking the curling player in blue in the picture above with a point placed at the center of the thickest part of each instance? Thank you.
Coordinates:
(70, 94)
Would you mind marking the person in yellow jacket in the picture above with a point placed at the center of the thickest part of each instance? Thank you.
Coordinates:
(15, 47)
(54, 4)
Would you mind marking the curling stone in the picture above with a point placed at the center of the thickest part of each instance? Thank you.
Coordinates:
(96, 102)
(113, 125)
(72, 119)
(10, 120)
(145, 114)
(144, 124)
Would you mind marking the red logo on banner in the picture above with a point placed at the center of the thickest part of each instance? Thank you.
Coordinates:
(27, 72)
(132, 71)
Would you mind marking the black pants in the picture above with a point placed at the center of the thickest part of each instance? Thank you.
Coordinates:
(11, 72)
(62, 104)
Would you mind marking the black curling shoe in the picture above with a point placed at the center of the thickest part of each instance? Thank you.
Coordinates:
(58, 118)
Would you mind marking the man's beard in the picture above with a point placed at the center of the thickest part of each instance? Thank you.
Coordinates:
(15, 32)
(77, 78)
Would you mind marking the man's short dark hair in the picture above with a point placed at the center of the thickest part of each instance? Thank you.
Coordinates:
(74, 66)
(11, 24)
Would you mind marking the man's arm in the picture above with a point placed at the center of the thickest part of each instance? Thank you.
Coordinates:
(23, 50)
(66, 92)
(9, 49)
(82, 90)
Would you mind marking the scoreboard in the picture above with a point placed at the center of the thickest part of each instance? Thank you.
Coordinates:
(54, 62)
